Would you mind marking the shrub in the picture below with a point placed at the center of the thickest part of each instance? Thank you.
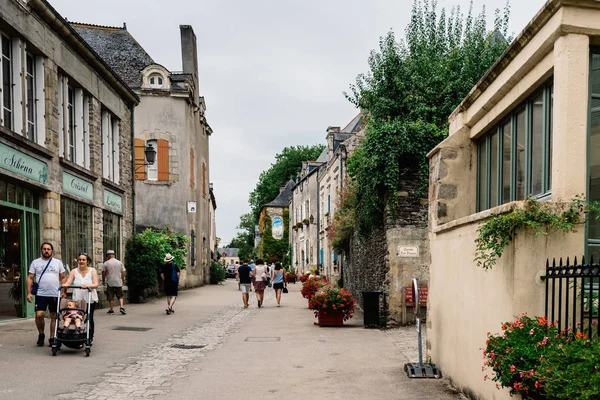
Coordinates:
(329, 298)
(217, 273)
(145, 253)
(570, 370)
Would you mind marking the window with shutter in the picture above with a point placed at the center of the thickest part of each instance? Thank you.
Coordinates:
(140, 169)
(163, 160)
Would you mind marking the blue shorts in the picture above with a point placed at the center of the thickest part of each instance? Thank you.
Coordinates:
(43, 302)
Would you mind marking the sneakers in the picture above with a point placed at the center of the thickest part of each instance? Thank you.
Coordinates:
(122, 310)
(168, 311)
(111, 311)
(41, 339)
(172, 311)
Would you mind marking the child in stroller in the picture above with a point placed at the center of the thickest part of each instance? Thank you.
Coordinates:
(72, 315)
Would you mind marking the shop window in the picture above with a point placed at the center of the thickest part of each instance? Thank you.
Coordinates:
(514, 158)
(73, 122)
(111, 224)
(76, 222)
(110, 147)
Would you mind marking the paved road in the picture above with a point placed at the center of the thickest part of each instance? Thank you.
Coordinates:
(201, 350)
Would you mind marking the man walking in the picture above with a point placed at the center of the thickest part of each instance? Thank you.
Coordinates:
(113, 273)
(245, 281)
(49, 274)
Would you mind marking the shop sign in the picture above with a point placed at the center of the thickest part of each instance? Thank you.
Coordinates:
(277, 228)
(78, 187)
(21, 164)
(113, 201)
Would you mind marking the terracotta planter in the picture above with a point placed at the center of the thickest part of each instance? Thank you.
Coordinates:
(331, 318)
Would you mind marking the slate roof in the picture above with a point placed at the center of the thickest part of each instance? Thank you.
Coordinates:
(283, 199)
(355, 125)
(323, 156)
(229, 251)
(118, 48)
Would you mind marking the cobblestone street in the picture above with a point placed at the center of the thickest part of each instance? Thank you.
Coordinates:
(194, 352)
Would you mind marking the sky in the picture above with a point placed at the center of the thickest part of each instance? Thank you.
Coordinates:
(272, 72)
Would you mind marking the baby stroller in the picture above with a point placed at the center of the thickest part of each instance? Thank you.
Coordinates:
(71, 336)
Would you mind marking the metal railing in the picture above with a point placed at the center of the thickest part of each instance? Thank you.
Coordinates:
(572, 295)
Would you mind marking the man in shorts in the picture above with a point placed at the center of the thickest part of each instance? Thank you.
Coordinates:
(49, 273)
(245, 281)
(113, 273)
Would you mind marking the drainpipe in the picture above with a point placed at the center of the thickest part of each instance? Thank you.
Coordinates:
(342, 156)
(318, 222)
(133, 168)
(291, 231)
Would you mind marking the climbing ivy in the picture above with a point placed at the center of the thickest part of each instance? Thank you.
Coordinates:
(412, 87)
(497, 232)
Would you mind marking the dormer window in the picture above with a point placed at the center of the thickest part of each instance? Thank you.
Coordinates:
(156, 81)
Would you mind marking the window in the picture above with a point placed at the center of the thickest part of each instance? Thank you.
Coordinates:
(76, 221)
(111, 238)
(593, 226)
(159, 170)
(110, 147)
(73, 123)
(514, 158)
(156, 81)
(7, 83)
(30, 92)
(153, 169)
(328, 203)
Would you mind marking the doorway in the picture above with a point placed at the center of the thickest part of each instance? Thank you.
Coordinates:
(11, 285)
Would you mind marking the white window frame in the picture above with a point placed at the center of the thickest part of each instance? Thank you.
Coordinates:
(6, 59)
(17, 86)
(30, 100)
(116, 134)
(110, 147)
(152, 174)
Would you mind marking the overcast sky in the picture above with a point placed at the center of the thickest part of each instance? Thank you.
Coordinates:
(272, 72)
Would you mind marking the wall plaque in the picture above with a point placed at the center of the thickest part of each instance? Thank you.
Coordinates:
(21, 164)
(408, 251)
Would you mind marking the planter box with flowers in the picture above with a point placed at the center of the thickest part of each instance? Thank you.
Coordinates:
(290, 277)
(303, 278)
(332, 305)
(312, 286)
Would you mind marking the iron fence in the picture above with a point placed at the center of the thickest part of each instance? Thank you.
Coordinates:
(572, 295)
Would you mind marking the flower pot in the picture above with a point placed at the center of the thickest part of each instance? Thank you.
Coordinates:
(331, 318)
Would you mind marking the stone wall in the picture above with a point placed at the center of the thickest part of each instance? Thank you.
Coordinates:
(373, 263)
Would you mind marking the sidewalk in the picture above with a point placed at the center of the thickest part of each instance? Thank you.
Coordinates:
(277, 353)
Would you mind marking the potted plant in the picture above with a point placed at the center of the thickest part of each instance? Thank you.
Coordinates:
(332, 305)
(312, 286)
(16, 294)
(303, 277)
(306, 221)
(290, 277)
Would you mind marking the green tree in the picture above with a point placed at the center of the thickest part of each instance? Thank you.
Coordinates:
(287, 165)
(411, 89)
(245, 243)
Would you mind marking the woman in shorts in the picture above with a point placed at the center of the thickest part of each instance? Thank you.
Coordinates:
(277, 276)
(260, 281)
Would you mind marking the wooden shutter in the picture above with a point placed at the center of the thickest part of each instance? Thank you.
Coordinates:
(163, 160)
(140, 169)
(192, 169)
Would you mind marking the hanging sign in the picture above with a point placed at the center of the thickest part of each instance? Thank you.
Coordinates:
(78, 187)
(113, 201)
(277, 228)
(21, 164)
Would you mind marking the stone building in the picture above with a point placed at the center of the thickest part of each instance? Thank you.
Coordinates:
(273, 222)
(213, 225)
(530, 128)
(173, 192)
(229, 255)
(303, 214)
(66, 146)
(332, 177)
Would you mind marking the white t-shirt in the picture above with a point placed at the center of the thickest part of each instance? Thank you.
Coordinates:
(49, 285)
(259, 271)
(113, 269)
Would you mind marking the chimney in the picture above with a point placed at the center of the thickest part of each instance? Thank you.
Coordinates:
(189, 56)
(281, 188)
(331, 130)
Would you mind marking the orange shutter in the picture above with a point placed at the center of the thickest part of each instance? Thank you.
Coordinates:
(163, 160)
(140, 169)
(192, 169)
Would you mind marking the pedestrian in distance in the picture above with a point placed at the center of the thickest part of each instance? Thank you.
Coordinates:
(86, 277)
(260, 281)
(237, 277)
(170, 276)
(244, 274)
(113, 274)
(48, 273)
(277, 277)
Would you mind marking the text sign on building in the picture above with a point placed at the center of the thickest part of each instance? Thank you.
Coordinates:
(21, 164)
(78, 187)
(113, 201)
(277, 228)
(408, 251)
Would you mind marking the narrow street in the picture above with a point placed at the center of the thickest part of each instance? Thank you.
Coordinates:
(214, 348)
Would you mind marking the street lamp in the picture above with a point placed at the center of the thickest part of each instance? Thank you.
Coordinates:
(150, 155)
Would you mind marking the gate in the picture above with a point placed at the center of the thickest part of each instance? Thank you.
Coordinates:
(572, 295)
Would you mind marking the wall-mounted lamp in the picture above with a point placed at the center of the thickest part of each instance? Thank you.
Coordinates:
(150, 155)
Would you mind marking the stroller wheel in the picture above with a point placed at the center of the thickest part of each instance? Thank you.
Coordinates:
(87, 352)
(54, 351)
